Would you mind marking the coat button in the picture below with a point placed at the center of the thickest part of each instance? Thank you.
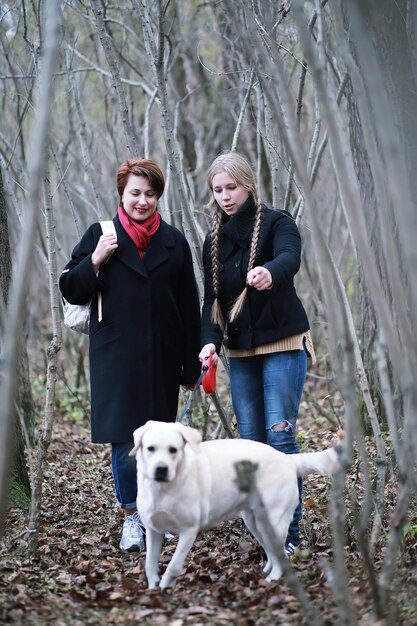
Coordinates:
(237, 263)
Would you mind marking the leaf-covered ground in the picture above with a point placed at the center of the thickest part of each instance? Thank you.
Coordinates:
(81, 578)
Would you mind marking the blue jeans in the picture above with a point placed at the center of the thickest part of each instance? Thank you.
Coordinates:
(266, 391)
(124, 474)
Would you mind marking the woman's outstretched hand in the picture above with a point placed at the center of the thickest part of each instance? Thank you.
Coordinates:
(260, 278)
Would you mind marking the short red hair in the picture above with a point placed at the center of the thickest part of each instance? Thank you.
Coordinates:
(141, 167)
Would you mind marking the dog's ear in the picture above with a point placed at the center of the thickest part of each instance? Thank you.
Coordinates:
(137, 438)
(191, 436)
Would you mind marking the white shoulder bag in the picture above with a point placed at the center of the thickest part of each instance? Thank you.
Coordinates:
(77, 316)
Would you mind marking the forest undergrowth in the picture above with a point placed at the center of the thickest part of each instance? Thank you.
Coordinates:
(80, 577)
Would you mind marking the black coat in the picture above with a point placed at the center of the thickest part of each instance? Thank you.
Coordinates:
(148, 341)
(267, 315)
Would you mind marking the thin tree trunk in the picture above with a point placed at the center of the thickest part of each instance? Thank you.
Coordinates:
(24, 410)
(16, 305)
(155, 52)
(106, 41)
(246, 482)
(45, 432)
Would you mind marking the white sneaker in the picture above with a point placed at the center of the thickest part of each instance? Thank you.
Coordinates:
(290, 549)
(133, 534)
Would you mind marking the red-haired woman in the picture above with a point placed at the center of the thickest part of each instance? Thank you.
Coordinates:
(146, 344)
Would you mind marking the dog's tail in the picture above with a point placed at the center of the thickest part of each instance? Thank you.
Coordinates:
(324, 463)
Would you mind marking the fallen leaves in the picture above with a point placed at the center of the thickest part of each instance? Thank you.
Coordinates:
(82, 578)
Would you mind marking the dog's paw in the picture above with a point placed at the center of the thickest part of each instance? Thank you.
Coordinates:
(275, 574)
(153, 582)
(167, 581)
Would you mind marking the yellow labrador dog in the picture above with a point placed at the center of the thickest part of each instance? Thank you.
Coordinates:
(186, 485)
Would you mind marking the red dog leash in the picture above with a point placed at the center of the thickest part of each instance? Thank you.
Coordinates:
(207, 379)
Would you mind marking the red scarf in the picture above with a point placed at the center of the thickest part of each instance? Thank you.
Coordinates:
(139, 232)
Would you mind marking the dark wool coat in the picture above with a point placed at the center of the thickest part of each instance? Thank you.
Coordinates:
(267, 315)
(148, 341)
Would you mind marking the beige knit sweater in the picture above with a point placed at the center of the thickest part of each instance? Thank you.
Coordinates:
(295, 342)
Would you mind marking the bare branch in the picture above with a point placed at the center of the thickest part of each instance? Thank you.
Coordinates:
(131, 142)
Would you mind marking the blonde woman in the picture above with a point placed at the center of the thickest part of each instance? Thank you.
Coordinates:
(251, 256)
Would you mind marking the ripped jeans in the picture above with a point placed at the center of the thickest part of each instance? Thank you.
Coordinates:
(266, 391)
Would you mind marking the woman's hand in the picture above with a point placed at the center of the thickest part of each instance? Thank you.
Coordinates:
(206, 351)
(260, 278)
(106, 245)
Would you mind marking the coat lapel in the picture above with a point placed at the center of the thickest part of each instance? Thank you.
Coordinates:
(160, 247)
(162, 242)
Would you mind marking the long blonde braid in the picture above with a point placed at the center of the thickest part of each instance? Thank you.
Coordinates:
(216, 312)
(238, 305)
(241, 171)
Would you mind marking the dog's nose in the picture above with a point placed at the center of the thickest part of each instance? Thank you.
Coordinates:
(161, 473)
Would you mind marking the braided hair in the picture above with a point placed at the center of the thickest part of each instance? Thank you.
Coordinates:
(241, 171)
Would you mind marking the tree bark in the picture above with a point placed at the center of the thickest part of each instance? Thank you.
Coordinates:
(24, 409)
(13, 320)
